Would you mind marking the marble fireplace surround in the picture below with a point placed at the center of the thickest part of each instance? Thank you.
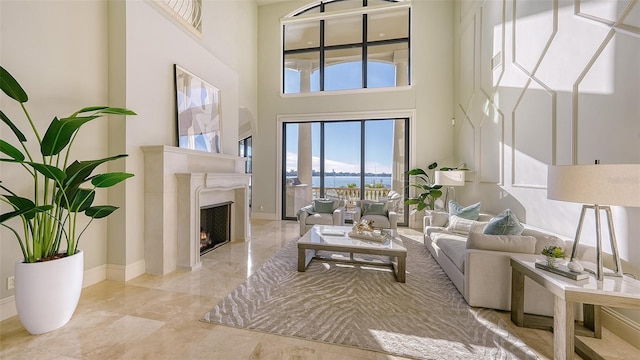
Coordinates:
(177, 183)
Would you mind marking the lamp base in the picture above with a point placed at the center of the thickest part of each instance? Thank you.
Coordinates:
(612, 238)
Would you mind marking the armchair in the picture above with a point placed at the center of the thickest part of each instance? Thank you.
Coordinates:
(381, 213)
(321, 212)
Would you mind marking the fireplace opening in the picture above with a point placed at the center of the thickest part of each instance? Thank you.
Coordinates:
(215, 226)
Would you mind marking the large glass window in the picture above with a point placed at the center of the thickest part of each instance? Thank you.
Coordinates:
(347, 44)
(348, 160)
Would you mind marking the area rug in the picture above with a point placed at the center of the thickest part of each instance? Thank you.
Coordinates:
(364, 307)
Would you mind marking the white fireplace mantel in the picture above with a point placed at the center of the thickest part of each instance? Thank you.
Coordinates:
(196, 190)
(210, 177)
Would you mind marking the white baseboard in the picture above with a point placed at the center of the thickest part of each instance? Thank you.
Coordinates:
(125, 272)
(94, 275)
(7, 307)
(623, 327)
(263, 216)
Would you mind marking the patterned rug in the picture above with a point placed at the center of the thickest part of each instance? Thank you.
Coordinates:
(363, 306)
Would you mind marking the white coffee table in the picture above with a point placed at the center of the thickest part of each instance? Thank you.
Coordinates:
(314, 240)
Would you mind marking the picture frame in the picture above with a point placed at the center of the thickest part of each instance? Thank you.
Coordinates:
(197, 112)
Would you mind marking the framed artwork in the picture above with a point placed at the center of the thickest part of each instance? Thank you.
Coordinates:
(198, 112)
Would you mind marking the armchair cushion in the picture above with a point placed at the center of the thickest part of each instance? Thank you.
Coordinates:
(374, 208)
(323, 206)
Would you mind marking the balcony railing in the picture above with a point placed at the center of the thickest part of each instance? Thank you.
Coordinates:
(351, 193)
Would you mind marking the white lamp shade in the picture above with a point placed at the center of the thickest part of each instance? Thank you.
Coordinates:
(449, 178)
(595, 184)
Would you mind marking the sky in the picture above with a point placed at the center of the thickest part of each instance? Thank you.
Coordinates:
(342, 139)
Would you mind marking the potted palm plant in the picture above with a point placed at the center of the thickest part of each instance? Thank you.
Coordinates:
(48, 216)
(428, 192)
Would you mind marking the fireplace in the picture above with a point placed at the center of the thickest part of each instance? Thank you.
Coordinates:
(215, 226)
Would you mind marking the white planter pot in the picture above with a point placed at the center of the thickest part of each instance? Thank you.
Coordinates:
(47, 293)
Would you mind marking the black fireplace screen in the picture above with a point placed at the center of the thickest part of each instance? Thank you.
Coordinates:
(215, 226)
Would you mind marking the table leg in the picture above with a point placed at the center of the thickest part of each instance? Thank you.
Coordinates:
(517, 297)
(592, 319)
(563, 332)
(402, 266)
(302, 260)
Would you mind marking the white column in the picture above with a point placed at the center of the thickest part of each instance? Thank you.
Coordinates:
(401, 61)
(304, 130)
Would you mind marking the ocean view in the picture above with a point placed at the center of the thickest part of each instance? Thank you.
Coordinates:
(331, 181)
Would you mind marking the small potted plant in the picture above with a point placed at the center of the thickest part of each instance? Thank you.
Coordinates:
(552, 254)
(45, 220)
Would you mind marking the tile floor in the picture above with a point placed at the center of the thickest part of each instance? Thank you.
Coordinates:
(156, 317)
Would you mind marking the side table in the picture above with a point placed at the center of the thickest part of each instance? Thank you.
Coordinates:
(622, 292)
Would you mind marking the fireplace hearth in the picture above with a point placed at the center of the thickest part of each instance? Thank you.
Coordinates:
(215, 226)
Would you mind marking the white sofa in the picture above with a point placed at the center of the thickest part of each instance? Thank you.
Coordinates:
(483, 276)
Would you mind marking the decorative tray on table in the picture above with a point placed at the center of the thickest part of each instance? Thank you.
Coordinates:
(365, 231)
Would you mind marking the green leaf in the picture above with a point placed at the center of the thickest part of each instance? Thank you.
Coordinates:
(433, 165)
(416, 172)
(79, 200)
(49, 171)
(79, 171)
(98, 212)
(10, 86)
(106, 110)
(27, 213)
(109, 179)
(60, 132)
(14, 128)
(11, 151)
(435, 193)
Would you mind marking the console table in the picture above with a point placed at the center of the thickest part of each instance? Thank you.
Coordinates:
(621, 292)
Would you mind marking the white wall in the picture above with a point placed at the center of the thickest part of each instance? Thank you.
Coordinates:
(516, 118)
(431, 95)
(62, 70)
(72, 54)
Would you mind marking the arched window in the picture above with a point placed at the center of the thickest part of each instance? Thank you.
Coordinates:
(346, 44)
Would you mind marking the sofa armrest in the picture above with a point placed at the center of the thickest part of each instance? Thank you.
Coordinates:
(338, 216)
(357, 213)
(488, 282)
(393, 219)
(426, 221)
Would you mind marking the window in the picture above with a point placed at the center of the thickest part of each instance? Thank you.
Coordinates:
(346, 45)
(344, 159)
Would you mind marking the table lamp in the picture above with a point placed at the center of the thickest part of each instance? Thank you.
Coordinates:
(596, 187)
(450, 179)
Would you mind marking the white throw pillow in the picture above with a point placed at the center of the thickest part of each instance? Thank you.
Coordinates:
(438, 218)
(463, 226)
(505, 243)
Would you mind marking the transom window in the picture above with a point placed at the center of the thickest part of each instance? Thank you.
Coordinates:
(345, 45)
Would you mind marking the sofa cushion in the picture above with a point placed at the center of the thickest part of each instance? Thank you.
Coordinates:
(320, 219)
(438, 218)
(379, 221)
(505, 243)
(452, 246)
(464, 226)
(505, 223)
(470, 212)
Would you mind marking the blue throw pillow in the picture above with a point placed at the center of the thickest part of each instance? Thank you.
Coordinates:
(506, 223)
(323, 206)
(376, 208)
(471, 212)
